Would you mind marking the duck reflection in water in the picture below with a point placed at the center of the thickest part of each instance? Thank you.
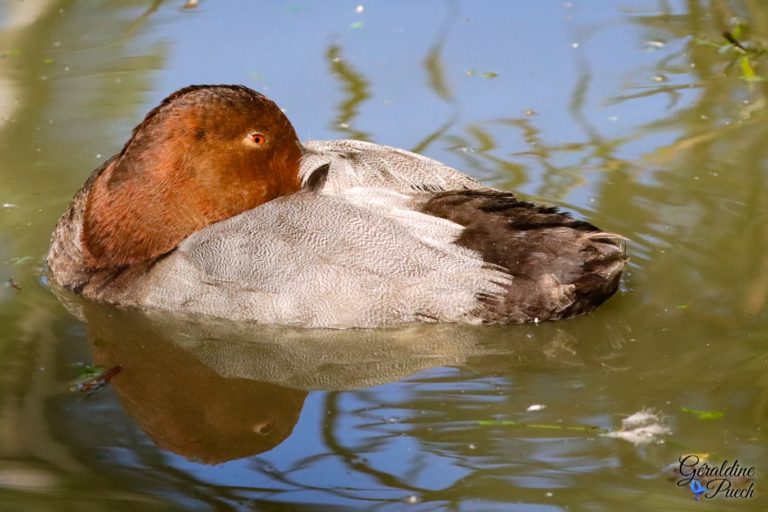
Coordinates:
(182, 404)
(213, 390)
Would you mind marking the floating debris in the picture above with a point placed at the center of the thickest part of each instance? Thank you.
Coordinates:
(747, 71)
(642, 427)
(654, 45)
(190, 4)
(659, 78)
(484, 74)
(89, 383)
(10, 205)
(10, 283)
(731, 39)
(541, 426)
(703, 415)
(536, 407)
(356, 25)
(359, 9)
(529, 112)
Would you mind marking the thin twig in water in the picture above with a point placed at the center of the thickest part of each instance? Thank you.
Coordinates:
(90, 386)
(729, 37)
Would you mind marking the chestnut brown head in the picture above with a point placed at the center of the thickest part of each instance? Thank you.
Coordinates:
(206, 153)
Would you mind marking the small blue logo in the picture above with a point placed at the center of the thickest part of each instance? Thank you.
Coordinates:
(697, 489)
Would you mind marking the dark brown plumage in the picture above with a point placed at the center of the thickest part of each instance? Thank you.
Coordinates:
(561, 266)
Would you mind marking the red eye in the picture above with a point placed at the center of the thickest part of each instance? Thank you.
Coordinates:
(257, 138)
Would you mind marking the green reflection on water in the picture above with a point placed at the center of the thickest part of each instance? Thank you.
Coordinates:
(355, 89)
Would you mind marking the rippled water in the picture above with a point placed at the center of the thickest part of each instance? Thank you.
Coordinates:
(639, 116)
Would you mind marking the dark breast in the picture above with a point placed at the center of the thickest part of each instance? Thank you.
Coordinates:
(561, 266)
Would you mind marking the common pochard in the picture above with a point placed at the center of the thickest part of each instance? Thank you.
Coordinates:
(215, 207)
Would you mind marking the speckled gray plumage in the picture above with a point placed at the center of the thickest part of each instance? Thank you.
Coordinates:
(322, 261)
(357, 164)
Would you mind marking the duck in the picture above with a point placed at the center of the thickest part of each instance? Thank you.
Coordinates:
(215, 207)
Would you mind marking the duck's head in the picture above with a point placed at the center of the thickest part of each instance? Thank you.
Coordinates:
(206, 153)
